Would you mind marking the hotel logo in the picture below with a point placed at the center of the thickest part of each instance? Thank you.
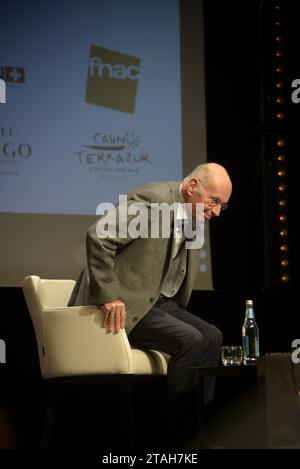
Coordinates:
(112, 79)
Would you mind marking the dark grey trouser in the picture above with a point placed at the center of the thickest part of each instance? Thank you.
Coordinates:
(189, 341)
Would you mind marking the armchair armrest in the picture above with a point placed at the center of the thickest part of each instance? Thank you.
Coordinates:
(76, 343)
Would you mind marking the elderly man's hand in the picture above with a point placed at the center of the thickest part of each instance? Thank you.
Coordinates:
(115, 315)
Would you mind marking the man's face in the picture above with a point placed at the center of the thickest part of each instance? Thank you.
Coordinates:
(214, 195)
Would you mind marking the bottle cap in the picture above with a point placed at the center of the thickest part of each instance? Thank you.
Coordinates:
(249, 302)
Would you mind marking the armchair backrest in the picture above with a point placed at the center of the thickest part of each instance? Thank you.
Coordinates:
(40, 295)
(54, 293)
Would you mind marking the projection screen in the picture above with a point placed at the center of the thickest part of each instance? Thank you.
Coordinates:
(101, 96)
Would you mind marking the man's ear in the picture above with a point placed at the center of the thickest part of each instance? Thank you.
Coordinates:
(192, 186)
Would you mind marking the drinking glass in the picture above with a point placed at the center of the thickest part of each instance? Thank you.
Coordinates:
(231, 355)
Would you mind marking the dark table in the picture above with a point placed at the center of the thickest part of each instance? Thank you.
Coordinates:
(240, 370)
(228, 394)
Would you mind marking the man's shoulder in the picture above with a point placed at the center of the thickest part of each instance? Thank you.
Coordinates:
(160, 191)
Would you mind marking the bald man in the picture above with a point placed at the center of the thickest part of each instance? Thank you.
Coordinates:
(144, 283)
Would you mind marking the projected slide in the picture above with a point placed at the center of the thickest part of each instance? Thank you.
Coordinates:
(92, 102)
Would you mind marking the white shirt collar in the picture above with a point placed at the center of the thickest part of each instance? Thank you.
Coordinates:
(181, 212)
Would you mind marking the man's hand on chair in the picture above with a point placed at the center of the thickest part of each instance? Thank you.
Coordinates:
(115, 315)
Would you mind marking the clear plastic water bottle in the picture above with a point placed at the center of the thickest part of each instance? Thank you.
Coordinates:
(250, 334)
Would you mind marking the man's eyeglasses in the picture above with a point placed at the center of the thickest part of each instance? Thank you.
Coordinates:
(214, 201)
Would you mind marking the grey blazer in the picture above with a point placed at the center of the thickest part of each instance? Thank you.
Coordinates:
(132, 270)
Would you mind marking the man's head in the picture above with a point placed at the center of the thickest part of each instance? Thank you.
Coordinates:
(209, 184)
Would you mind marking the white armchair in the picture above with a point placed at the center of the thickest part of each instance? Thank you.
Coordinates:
(72, 341)
(73, 344)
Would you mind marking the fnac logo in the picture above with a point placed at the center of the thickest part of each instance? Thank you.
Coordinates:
(112, 79)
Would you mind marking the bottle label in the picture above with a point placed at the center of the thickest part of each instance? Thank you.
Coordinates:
(250, 346)
(246, 345)
(249, 313)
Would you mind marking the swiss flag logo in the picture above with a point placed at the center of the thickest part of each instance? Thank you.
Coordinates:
(14, 74)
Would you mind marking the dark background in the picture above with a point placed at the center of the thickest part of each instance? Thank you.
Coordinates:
(241, 130)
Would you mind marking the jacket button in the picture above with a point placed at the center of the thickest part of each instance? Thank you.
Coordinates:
(151, 300)
(134, 319)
